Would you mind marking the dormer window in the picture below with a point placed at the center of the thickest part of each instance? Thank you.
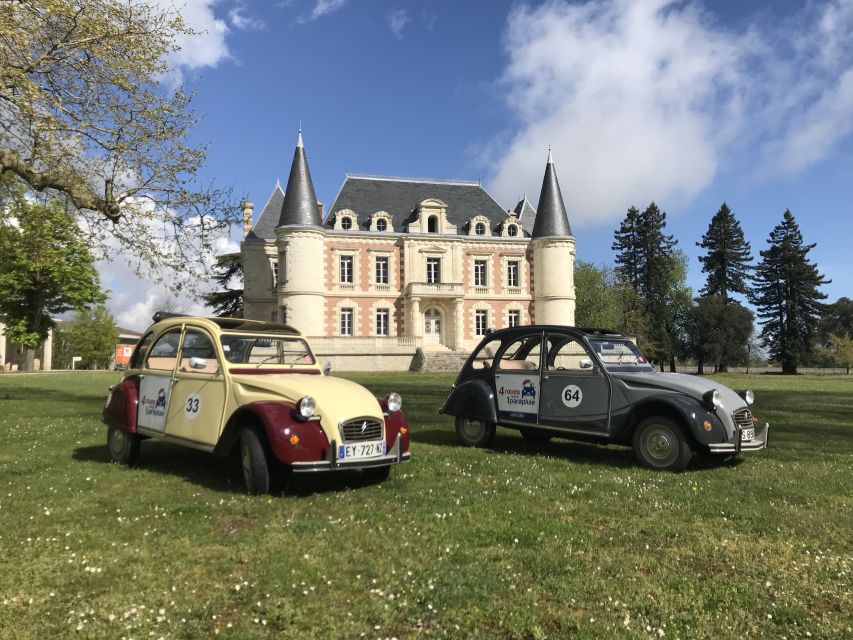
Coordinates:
(512, 230)
(479, 226)
(345, 219)
(380, 221)
(432, 224)
(480, 229)
(510, 227)
(381, 224)
(346, 223)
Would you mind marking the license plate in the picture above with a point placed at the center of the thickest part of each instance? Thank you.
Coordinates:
(361, 450)
(747, 434)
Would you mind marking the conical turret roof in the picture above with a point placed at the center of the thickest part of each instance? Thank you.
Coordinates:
(551, 219)
(300, 202)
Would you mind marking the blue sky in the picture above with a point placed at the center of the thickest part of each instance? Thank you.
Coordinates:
(685, 103)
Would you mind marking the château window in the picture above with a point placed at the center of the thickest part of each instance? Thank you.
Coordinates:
(275, 273)
(480, 229)
(381, 270)
(381, 224)
(479, 273)
(346, 270)
(514, 318)
(512, 274)
(346, 223)
(481, 321)
(433, 270)
(382, 317)
(346, 321)
(432, 224)
(512, 230)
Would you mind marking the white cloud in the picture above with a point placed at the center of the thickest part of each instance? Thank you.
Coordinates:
(647, 99)
(320, 9)
(207, 47)
(240, 19)
(397, 20)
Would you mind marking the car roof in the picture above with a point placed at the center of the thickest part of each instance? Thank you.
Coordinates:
(589, 331)
(163, 319)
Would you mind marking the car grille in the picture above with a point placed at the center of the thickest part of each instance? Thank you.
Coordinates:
(743, 418)
(361, 429)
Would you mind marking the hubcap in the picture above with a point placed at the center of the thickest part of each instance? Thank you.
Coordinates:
(659, 443)
(117, 440)
(472, 428)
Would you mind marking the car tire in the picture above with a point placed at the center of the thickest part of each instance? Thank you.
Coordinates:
(660, 443)
(255, 463)
(475, 433)
(377, 474)
(123, 446)
(535, 436)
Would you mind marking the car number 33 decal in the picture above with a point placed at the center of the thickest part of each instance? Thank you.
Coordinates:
(192, 406)
(572, 396)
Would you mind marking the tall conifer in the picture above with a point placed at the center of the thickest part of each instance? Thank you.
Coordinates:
(728, 256)
(787, 295)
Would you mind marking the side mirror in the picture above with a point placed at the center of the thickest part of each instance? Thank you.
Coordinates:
(198, 363)
(327, 368)
(586, 363)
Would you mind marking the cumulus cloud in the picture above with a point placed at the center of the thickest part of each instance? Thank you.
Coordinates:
(647, 99)
(320, 9)
(208, 47)
(397, 20)
(240, 18)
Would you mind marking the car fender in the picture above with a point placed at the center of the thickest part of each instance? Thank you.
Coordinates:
(396, 426)
(279, 422)
(122, 404)
(473, 399)
(689, 411)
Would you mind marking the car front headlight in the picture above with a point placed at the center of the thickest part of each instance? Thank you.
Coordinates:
(394, 401)
(306, 407)
(712, 399)
(748, 396)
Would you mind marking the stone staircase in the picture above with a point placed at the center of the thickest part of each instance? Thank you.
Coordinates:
(443, 360)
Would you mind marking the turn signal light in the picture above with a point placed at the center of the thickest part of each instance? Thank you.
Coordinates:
(294, 439)
(404, 430)
(754, 420)
(707, 426)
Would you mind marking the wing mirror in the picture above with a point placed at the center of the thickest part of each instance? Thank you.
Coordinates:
(586, 363)
(198, 363)
(327, 368)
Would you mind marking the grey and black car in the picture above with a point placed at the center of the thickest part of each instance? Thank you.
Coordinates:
(596, 385)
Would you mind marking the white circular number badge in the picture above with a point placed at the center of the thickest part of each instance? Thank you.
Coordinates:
(572, 396)
(192, 405)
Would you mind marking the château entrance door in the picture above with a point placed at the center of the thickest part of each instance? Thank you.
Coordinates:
(432, 326)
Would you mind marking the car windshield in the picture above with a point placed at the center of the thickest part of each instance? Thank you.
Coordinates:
(262, 350)
(620, 354)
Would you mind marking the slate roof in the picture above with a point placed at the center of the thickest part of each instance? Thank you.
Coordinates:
(551, 219)
(526, 215)
(300, 204)
(264, 228)
(400, 197)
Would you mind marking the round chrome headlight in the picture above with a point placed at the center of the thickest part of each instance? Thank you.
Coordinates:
(749, 396)
(306, 407)
(712, 399)
(395, 402)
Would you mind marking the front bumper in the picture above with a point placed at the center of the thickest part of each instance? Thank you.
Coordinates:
(394, 456)
(757, 443)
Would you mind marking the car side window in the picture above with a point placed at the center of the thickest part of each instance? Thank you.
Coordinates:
(198, 354)
(140, 352)
(568, 354)
(522, 354)
(164, 354)
(486, 354)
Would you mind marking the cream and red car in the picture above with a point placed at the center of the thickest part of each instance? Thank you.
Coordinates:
(219, 383)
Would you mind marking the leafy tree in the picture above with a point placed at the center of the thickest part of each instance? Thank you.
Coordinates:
(721, 331)
(227, 302)
(45, 269)
(787, 295)
(93, 336)
(837, 319)
(84, 115)
(841, 348)
(728, 256)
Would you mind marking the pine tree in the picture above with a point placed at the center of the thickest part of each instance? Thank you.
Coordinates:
(227, 302)
(728, 256)
(628, 247)
(787, 295)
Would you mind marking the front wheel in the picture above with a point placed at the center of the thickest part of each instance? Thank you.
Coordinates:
(475, 433)
(123, 446)
(659, 443)
(255, 462)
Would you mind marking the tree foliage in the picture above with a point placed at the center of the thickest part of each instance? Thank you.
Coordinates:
(720, 332)
(837, 319)
(91, 335)
(841, 348)
(787, 295)
(84, 115)
(45, 269)
(727, 256)
(227, 302)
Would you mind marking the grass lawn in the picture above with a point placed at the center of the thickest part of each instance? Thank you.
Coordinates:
(519, 541)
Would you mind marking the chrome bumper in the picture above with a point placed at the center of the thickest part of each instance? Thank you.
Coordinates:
(757, 443)
(394, 456)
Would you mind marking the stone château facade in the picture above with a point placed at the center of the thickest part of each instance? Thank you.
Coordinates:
(402, 263)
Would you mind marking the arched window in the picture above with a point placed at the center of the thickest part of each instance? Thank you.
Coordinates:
(346, 223)
(512, 230)
(480, 229)
(432, 224)
(381, 224)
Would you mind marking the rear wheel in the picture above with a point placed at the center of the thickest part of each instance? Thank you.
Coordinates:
(123, 446)
(475, 433)
(255, 462)
(660, 443)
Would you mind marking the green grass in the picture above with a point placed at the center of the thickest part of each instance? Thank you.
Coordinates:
(562, 540)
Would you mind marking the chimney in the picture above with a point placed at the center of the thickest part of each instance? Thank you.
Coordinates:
(320, 208)
(247, 206)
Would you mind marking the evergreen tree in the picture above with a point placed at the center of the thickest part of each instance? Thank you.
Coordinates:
(227, 302)
(787, 295)
(628, 247)
(728, 255)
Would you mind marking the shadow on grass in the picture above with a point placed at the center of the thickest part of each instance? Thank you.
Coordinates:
(224, 474)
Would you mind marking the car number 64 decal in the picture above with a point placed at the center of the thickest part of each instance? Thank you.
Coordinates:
(192, 406)
(572, 396)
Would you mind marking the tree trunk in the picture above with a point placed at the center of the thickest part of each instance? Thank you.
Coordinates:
(672, 364)
(701, 367)
(29, 359)
(723, 368)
